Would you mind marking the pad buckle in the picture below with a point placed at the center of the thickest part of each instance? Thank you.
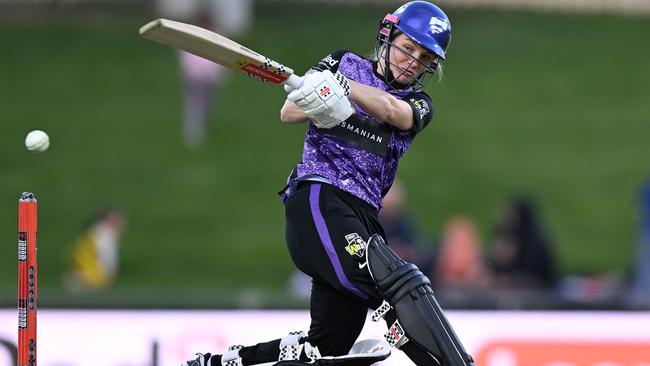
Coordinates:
(395, 336)
(381, 311)
(290, 346)
(231, 358)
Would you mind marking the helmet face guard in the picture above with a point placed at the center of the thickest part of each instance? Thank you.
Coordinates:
(425, 24)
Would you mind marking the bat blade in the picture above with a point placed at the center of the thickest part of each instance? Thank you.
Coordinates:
(219, 49)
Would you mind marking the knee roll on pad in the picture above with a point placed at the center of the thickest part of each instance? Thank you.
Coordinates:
(419, 315)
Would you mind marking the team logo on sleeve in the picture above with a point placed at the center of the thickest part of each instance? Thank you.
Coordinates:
(422, 106)
(356, 245)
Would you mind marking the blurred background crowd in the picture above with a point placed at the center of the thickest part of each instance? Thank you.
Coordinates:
(529, 190)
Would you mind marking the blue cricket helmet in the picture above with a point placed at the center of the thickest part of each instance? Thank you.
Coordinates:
(424, 23)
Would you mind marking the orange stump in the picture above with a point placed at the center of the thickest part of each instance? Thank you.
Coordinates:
(27, 279)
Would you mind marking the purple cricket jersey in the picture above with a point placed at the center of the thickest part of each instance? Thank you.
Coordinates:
(360, 155)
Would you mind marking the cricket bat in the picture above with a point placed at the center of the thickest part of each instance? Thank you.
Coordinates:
(219, 49)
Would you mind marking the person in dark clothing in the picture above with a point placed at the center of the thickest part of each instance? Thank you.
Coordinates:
(522, 254)
(362, 116)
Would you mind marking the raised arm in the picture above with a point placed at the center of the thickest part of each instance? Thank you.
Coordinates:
(382, 105)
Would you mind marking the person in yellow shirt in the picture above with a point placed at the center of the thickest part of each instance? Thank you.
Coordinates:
(94, 257)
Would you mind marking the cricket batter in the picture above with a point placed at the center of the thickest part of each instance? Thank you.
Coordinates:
(362, 116)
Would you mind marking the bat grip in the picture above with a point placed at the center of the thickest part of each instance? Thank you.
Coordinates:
(294, 81)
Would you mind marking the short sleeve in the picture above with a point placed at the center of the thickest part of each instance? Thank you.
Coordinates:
(422, 107)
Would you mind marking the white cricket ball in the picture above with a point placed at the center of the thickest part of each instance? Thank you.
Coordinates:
(37, 141)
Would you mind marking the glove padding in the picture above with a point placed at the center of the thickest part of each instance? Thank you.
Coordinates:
(323, 98)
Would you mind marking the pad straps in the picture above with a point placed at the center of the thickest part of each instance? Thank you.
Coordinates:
(395, 336)
(290, 346)
(231, 358)
(381, 311)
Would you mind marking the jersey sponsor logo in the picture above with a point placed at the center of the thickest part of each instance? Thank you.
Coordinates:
(361, 132)
(364, 133)
(438, 25)
(421, 106)
(356, 245)
(329, 62)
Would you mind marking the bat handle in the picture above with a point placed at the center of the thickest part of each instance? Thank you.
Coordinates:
(294, 81)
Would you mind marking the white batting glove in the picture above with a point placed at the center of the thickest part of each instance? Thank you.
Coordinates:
(323, 97)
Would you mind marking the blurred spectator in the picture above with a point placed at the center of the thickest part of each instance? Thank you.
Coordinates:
(400, 228)
(521, 255)
(641, 285)
(201, 78)
(94, 257)
(460, 263)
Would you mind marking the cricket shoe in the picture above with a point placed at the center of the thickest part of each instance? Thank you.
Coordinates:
(230, 358)
(201, 360)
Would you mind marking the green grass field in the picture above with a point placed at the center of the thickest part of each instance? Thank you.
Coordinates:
(552, 105)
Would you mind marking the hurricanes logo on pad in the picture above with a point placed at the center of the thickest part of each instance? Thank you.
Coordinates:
(356, 245)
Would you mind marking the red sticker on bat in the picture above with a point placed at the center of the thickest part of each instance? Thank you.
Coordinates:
(264, 73)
